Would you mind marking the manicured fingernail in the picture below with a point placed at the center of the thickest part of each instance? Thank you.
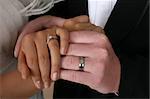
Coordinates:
(38, 84)
(55, 76)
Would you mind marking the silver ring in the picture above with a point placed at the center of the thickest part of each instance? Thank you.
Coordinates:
(50, 37)
(81, 63)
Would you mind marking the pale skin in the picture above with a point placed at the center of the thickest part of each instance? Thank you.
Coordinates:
(102, 71)
(23, 88)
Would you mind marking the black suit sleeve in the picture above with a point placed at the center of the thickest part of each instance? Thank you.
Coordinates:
(134, 59)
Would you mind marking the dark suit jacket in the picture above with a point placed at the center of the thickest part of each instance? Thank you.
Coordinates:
(128, 31)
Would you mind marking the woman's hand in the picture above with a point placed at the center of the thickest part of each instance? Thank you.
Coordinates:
(40, 58)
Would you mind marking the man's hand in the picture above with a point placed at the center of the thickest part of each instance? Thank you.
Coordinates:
(102, 67)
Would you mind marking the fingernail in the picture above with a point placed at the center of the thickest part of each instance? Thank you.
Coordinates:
(46, 84)
(55, 76)
(38, 84)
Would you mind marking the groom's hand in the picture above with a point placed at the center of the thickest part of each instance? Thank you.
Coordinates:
(101, 67)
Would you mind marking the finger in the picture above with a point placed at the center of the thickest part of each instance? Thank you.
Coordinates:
(88, 27)
(85, 50)
(43, 57)
(36, 25)
(72, 63)
(78, 77)
(22, 66)
(82, 18)
(64, 39)
(55, 59)
(70, 23)
(84, 37)
(30, 52)
(55, 56)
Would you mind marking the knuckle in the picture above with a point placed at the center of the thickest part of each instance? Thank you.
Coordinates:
(70, 60)
(27, 38)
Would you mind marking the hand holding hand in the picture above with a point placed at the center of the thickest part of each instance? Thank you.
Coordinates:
(102, 66)
(39, 58)
(34, 57)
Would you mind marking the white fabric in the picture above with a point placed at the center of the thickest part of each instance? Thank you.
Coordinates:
(100, 10)
(10, 23)
(13, 16)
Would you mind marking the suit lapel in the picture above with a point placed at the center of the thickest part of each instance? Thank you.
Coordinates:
(123, 21)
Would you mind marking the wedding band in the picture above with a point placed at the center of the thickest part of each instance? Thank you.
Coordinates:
(81, 63)
(49, 38)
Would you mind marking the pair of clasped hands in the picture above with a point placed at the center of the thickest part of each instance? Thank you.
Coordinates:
(59, 59)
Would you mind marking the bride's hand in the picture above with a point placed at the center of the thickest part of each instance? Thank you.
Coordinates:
(40, 58)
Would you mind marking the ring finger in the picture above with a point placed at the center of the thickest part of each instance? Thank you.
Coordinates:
(54, 53)
(72, 63)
